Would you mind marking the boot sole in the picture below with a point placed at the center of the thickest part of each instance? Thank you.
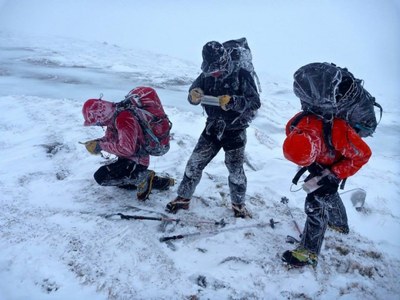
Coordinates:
(149, 189)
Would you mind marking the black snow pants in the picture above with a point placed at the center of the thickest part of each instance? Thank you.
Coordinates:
(233, 142)
(123, 173)
(321, 210)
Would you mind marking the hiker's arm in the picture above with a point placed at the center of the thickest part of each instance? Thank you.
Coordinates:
(125, 142)
(197, 84)
(250, 98)
(354, 150)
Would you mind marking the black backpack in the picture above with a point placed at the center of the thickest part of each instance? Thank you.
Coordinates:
(241, 57)
(329, 91)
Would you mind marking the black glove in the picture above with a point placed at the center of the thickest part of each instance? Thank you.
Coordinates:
(315, 169)
(329, 185)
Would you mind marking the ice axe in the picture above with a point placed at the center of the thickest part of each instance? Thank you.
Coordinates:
(357, 197)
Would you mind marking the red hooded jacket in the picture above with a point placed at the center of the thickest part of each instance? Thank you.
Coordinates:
(123, 135)
(305, 145)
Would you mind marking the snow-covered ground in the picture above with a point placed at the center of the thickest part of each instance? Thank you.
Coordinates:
(56, 241)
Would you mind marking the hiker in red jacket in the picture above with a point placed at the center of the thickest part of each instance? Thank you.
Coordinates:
(123, 138)
(305, 146)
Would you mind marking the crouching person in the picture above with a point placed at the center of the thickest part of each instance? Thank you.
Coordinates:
(124, 138)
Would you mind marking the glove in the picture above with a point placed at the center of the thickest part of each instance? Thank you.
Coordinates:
(224, 100)
(195, 95)
(329, 185)
(315, 169)
(93, 147)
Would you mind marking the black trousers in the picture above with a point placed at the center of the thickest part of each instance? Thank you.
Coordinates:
(233, 142)
(122, 173)
(321, 210)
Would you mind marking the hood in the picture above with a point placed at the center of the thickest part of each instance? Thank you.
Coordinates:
(216, 60)
(97, 112)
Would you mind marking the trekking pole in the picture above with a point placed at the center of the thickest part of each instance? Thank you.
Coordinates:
(285, 200)
(214, 232)
(136, 217)
(163, 219)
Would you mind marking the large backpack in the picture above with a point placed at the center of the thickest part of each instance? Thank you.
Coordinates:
(146, 106)
(331, 92)
(241, 57)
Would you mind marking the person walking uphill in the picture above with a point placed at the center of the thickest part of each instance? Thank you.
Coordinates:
(124, 138)
(227, 120)
(325, 139)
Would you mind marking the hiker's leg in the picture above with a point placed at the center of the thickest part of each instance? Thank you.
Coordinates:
(203, 153)
(337, 216)
(120, 173)
(234, 143)
(315, 227)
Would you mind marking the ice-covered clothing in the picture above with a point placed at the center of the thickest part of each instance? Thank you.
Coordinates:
(224, 129)
(233, 142)
(305, 145)
(241, 87)
(124, 137)
(321, 210)
(122, 173)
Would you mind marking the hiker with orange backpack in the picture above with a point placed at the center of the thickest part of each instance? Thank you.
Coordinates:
(325, 139)
(126, 137)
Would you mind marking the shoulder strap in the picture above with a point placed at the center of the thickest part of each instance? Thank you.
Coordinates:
(380, 109)
(327, 133)
(297, 120)
(300, 172)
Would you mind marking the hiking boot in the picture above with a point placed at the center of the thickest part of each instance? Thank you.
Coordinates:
(344, 229)
(240, 211)
(144, 188)
(177, 204)
(300, 257)
(163, 183)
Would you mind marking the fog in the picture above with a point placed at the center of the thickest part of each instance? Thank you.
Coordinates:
(283, 35)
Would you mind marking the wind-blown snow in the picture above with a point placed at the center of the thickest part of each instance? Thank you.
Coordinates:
(57, 243)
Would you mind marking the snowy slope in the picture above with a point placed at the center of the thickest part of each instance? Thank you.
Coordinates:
(57, 243)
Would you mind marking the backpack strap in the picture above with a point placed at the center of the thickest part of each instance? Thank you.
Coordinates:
(327, 134)
(380, 110)
(300, 172)
(297, 119)
(343, 183)
(257, 81)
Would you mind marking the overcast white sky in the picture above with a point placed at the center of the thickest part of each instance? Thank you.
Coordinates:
(363, 35)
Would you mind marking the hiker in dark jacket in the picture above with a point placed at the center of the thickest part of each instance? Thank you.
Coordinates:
(237, 100)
